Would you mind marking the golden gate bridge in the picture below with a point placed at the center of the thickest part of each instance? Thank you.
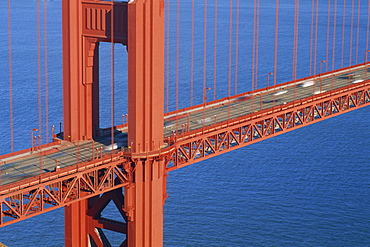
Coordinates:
(85, 166)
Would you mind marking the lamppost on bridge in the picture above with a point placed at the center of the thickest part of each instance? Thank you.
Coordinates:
(33, 138)
(205, 94)
(204, 104)
(321, 62)
(268, 78)
(365, 61)
(365, 58)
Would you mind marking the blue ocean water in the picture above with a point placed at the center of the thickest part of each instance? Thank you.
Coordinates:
(309, 187)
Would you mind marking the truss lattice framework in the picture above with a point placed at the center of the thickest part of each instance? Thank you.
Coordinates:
(86, 180)
(54, 191)
(224, 137)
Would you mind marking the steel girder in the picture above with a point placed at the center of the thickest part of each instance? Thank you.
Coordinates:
(91, 179)
(46, 192)
(213, 140)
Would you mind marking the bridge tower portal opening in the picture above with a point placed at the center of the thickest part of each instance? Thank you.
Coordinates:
(138, 24)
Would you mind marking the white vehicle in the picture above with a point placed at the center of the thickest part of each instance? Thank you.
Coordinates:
(357, 81)
(319, 91)
(110, 147)
(281, 92)
(308, 83)
(205, 120)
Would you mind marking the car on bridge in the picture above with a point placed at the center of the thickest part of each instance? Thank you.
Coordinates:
(357, 81)
(307, 84)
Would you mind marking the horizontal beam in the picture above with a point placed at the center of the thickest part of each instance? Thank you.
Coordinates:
(97, 21)
(19, 203)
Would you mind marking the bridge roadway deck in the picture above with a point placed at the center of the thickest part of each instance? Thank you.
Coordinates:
(30, 163)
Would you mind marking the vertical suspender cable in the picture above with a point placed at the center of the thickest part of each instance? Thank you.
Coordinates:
(316, 35)
(215, 51)
(276, 39)
(358, 28)
(39, 69)
(204, 59)
(236, 46)
(295, 45)
(351, 32)
(167, 53)
(295, 53)
(334, 36)
(112, 74)
(192, 55)
(10, 61)
(39, 78)
(257, 39)
(311, 33)
(46, 74)
(204, 49)
(230, 56)
(343, 29)
(367, 31)
(255, 45)
(327, 38)
(254, 42)
(177, 55)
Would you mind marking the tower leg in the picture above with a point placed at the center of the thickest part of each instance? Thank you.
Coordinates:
(75, 224)
(84, 221)
(144, 202)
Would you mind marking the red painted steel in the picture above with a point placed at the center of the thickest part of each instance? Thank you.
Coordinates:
(139, 171)
(144, 199)
(145, 75)
(85, 24)
(40, 194)
(143, 174)
(225, 136)
(87, 220)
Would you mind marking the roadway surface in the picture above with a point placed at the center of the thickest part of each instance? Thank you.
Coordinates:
(29, 164)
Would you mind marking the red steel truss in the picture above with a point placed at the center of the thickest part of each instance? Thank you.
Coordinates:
(135, 180)
(226, 136)
(92, 180)
(48, 191)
